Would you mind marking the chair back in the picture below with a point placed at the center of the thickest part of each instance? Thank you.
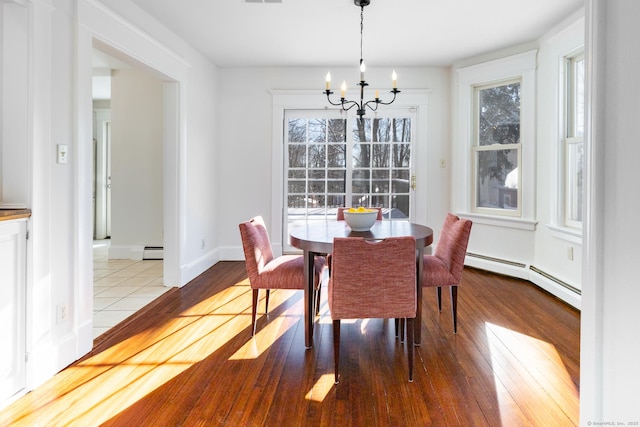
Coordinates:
(340, 214)
(373, 279)
(452, 244)
(256, 245)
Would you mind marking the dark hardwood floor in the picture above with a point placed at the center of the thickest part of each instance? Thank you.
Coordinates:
(189, 359)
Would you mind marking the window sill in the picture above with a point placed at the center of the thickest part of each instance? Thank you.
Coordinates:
(565, 233)
(517, 223)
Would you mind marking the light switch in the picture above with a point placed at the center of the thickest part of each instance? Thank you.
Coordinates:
(62, 153)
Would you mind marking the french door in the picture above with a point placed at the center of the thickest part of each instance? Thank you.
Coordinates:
(333, 161)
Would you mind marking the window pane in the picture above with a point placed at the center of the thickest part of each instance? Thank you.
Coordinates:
(317, 155)
(316, 186)
(317, 130)
(578, 71)
(336, 156)
(360, 186)
(361, 156)
(362, 130)
(297, 187)
(380, 156)
(400, 206)
(401, 155)
(497, 179)
(297, 156)
(297, 130)
(297, 173)
(337, 131)
(402, 130)
(499, 115)
(575, 157)
(400, 181)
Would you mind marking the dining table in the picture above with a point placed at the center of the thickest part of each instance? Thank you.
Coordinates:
(315, 238)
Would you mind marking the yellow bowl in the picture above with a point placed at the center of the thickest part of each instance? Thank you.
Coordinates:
(361, 221)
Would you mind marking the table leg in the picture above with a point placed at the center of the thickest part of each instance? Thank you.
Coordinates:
(308, 298)
(417, 324)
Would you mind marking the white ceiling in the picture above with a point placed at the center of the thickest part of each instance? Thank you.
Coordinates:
(399, 33)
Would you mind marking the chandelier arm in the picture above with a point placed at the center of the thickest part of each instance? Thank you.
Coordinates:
(394, 92)
(328, 93)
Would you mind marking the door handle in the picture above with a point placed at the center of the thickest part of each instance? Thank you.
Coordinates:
(413, 182)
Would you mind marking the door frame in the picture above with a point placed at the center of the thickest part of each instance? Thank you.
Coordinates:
(312, 99)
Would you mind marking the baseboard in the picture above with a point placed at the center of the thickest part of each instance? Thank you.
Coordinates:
(126, 252)
(235, 253)
(194, 269)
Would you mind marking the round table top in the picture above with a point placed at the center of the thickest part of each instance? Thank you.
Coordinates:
(318, 236)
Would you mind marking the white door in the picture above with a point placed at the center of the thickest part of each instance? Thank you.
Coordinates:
(333, 161)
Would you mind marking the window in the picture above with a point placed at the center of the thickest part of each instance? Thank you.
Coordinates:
(494, 180)
(496, 149)
(332, 161)
(573, 142)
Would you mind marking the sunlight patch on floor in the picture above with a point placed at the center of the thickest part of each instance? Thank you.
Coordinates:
(321, 388)
(527, 364)
(270, 328)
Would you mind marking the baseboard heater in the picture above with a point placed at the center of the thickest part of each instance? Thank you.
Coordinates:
(498, 260)
(153, 252)
(531, 268)
(555, 280)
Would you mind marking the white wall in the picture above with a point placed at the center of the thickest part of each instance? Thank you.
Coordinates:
(136, 163)
(246, 142)
(609, 369)
(14, 182)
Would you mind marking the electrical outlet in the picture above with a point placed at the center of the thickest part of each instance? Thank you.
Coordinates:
(61, 313)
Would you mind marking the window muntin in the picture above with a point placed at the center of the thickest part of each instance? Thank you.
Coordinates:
(497, 149)
(574, 145)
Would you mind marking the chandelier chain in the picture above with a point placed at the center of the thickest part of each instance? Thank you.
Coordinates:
(361, 32)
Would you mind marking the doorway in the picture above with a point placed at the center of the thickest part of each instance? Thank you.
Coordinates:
(128, 141)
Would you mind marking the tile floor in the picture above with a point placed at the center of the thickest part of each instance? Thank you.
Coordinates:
(121, 287)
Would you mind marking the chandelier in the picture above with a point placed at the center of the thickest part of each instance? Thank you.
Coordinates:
(372, 104)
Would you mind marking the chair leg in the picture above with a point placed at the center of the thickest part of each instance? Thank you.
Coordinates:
(410, 346)
(439, 290)
(317, 302)
(454, 308)
(254, 308)
(336, 348)
(266, 303)
(399, 327)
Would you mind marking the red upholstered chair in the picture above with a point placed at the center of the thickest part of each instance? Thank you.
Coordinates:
(373, 279)
(340, 214)
(444, 267)
(268, 272)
